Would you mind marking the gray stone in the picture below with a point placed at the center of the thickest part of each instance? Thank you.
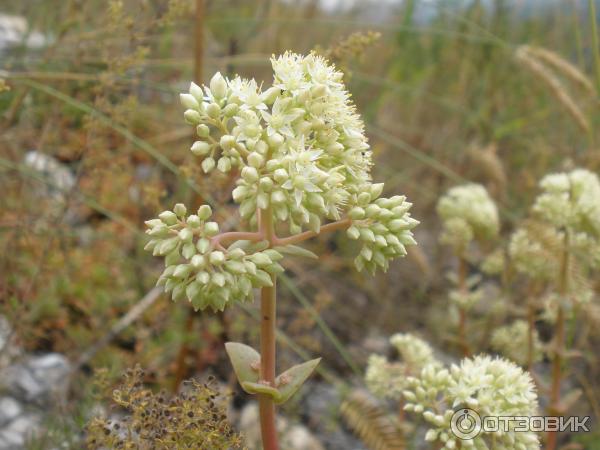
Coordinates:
(15, 435)
(9, 410)
(39, 380)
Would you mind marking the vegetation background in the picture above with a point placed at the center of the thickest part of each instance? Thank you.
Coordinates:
(446, 97)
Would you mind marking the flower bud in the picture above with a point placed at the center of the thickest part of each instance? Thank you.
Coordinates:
(250, 174)
(192, 117)
(224, 164)
(186, 235)
(213, 110)
(356, 213)
(202, 130)
(189, 101)
(227, 142)
(198, 261)
(239, 193)
(218, 86)
(281, 176)
(211, 229)
(216, 257)
(200, 148)
(265, 184)
(196, 92)
(208, 164)
(182, 271)
(168, 217)
(204, 212)
(275, 140)
(180, 209)
(231, 110)
(255, 160)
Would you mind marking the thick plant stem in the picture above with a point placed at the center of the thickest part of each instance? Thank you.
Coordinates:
(268, 305)
(559, 343)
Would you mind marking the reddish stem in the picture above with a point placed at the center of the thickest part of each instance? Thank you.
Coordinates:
(267, 342)
(301, 237)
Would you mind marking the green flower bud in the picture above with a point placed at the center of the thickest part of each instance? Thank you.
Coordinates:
(231, 110)
(256, 160)
(202, 130)
(240, 193)
(198, 261)
(188, 101)
(197, 92)
(204, 212)
(192, 117)
(356, 213)
(224, 164)
(200, 148)
(227, 142)
(276, 140)
(186, 235)
(213, 110)
(203, 245)
(182, 271)
(193, 221)
(281, 176)
(250, 174)
(208, 164)
(216, 258)
(180, 210)
(168, 217)
(353, 233)
(218, 86)
(211, 229)
(278, 197)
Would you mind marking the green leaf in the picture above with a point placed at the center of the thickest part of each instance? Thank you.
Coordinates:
(292, 379)
(260, 388)
(295, 250)
(245, 361)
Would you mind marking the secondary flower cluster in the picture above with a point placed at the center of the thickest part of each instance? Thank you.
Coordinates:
(467, 212)
(570, 200)
(383, 225)
(491, 387)
(387, 379)
(198, 268)
(512, 341)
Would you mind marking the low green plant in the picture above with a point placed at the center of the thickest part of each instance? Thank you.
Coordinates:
(300, 149)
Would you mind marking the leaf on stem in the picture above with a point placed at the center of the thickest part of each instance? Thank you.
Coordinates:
(245, 361)
(292, 379)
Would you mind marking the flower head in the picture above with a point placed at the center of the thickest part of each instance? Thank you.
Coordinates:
(467, 212)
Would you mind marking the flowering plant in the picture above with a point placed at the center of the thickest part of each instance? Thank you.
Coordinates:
(303, 159)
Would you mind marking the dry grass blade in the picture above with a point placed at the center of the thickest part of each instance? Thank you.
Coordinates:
(556, 87)
(371, 423)
(563, 66)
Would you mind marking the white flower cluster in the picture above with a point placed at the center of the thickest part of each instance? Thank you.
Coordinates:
(512, 342)
(467, 212)
(570, 200)
(301, 152)
(532, 257)
(388, 379)
(199, 269)
(491, 387)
